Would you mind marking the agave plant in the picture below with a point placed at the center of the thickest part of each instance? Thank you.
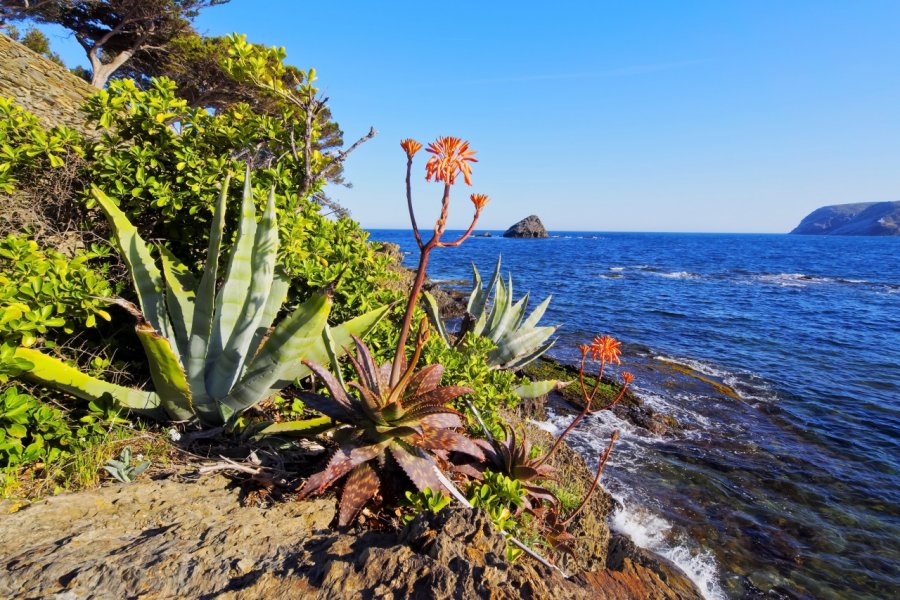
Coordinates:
(406, 421)
(211, 355)
(519, 340)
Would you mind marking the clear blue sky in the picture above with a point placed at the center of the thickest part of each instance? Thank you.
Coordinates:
(637, 116)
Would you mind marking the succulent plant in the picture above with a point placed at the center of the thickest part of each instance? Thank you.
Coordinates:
(211, 355)
(122, 470)
(512, 457)
(519, 340)
(405, 421)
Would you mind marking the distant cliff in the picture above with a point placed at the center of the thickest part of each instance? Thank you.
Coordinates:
(863, 218)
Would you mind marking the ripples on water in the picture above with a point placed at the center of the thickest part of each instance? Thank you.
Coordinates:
(793, 490)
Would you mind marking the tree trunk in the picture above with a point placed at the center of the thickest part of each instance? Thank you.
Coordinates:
(100, 72)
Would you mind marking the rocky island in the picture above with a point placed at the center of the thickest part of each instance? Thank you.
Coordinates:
(529, 227)
(861, 218)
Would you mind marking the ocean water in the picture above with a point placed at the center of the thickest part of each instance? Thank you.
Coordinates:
(791, 489)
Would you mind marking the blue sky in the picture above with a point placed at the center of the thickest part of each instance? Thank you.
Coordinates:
(613, 116)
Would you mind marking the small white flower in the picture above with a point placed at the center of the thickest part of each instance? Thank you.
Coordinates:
(173, 434)
(140, 457)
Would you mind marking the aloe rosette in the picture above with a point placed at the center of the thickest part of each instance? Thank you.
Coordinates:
(407, 421)
(212, 354)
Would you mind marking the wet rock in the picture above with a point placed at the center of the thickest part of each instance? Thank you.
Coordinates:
(642, 573)
(529, 227)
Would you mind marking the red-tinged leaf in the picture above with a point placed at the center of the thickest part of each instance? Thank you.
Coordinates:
(420, 471)
(447, 439)
(370, 401)
(366, 367)
(328, 407)
(342, 462)
(399, 432)
(442, 421)
(473, 471)
(441, 395)
(361, 486)
(427, 379)
(541, 493)
(331, 383)
(524, 473)
(419, 412)
(384, 375)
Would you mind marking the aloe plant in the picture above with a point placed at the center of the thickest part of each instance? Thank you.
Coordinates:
(211, 354)
(404, 420)
(519, 340)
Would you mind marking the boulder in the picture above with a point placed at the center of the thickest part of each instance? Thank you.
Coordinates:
(529, 227)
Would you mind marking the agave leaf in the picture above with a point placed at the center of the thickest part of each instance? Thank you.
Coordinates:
(140, 468)
(341, 335)
(56, 374)
(535, 316)
(306, 427)
(277, 296)
(361, 486)
(517, 312)
(434, 315)
(518, 344)
(181, 289)
(169, 379)
(419, 470)
(497, 310)
(333, 357)
(204, 305)
(243, 297)
(147, 278)
(476, 299)
(520, 361)
(535, 389)
(478, 309)
(294, 338)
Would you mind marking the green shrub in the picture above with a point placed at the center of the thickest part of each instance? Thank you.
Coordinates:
(30, 430)
(42, 289)
(467, 365)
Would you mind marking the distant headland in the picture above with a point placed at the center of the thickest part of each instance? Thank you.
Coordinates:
(862, 218)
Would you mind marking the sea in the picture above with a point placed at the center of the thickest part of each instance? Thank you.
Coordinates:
(779, 356)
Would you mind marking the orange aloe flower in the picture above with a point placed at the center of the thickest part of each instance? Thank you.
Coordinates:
(607, 349)
(479, 200)
(451, 157)
(627, 377)
(585, 350)
(411, 146)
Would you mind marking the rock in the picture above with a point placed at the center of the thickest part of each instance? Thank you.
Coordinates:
(529, 227)
(864, 218)
(638, 573)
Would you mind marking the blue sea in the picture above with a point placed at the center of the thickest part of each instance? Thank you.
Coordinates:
(792, 488)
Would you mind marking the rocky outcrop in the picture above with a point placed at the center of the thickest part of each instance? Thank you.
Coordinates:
(529, 227)
(864, 218)
(169, 539)
(451, 303)
(41, 86)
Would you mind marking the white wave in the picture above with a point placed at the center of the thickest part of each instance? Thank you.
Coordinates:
(652, 532)
(617, 268)
(678, 275)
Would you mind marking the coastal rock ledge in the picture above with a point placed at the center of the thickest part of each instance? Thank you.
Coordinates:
(529, 227)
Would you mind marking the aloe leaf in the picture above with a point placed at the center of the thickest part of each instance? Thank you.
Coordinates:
(243, 325)
(333, 356)
(204, 305)
(536, 389)
(434, 315)
(181, 289)
(169, 379)
(293, 339)
(56, 374)
(147, 278)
